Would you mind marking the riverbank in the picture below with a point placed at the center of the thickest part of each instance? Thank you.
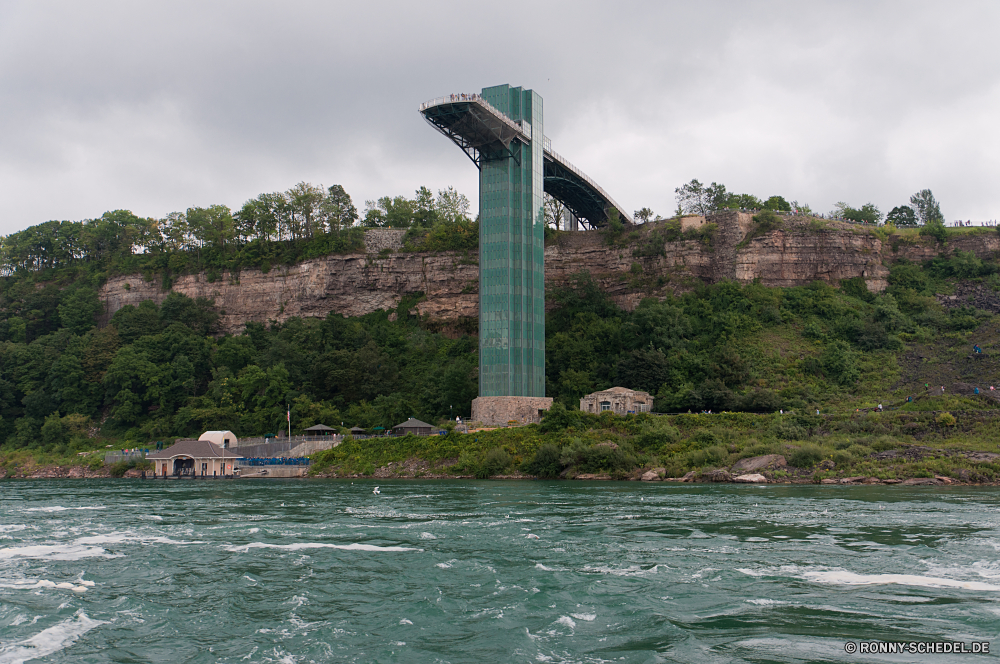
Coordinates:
(874, 447)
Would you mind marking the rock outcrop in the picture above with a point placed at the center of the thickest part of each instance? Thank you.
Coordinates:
(766, 462)
(638, 263)
(752, 478)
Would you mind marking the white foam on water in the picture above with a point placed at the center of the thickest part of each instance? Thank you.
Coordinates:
(765, 602)
(60, 508)
(404, 621)
(844, 578)
(253, 531)
(125, 538)
(757, 539)
(55, 552)
(12, 528)
(632, 570)
(443, 565)
(48, 641)
(566, 620)
(544, 568)
(587, 617)
(33, 584)
(316, 545)
(428, 536)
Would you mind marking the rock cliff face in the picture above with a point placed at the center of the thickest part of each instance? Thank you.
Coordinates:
(636, 264)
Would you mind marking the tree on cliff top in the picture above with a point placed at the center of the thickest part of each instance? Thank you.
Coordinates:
(901, 215)
(866, 214)
(927, 207)
(696, 198)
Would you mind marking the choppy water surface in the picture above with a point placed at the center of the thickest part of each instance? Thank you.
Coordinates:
(327, 571)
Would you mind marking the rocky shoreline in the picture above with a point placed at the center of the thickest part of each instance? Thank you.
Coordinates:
(767, 469)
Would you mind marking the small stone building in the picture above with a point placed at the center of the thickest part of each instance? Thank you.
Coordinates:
(620, 400)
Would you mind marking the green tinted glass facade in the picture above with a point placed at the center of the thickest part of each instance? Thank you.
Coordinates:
(512, 256)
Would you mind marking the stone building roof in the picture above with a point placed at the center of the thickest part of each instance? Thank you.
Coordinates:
(617, 390)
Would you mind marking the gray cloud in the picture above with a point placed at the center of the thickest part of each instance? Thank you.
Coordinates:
(157, 107)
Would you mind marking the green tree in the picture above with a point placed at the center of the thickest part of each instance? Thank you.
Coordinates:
(338, 208)
(306, 202)
(927, 208)
(867, 213)
(554, 211)
(451, 205)
(744, 202)
(696, 198)
(778, 204)
(901, 216)
(54, 431)
(212, 226)
(78, 309)
(643, 216)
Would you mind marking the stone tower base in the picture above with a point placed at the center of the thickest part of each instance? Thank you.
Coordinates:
(498, 411)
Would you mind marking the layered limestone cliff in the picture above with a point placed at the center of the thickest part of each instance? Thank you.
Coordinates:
(648, 261)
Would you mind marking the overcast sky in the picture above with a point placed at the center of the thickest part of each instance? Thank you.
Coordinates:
(157, 107)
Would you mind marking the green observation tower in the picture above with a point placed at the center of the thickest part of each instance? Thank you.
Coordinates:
(502, 132)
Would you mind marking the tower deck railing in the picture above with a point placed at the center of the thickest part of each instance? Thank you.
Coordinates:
(524, 132)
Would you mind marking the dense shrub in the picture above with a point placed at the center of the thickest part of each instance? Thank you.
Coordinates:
(545, 463)
(805, 456)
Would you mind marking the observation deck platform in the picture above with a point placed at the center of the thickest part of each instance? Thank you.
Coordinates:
(483, 132)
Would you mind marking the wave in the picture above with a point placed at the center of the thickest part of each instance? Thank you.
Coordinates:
(31, 584)
(123, 538)
(48, 641)
(317, 545)
(851, 579)
(55, 552)
(60, 508)
(631, 570)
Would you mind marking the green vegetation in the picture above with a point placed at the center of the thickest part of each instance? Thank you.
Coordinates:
(886, 445)
(280, 228)
(68, 387)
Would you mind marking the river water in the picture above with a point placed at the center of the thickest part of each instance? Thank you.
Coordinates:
(465, 571)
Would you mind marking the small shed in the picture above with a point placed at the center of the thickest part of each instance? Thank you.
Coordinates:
(357, 431)
(320, 430)
(413, 426)
(224, 439)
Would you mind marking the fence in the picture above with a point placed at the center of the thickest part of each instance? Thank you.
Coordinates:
(273, 461)
(294, 440)
(122, 455)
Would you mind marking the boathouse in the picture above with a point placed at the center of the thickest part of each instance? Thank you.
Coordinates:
(193, 458)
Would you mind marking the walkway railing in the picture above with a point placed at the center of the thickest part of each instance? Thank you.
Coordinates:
(294, 440)
(121, 455)
(273, 461)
